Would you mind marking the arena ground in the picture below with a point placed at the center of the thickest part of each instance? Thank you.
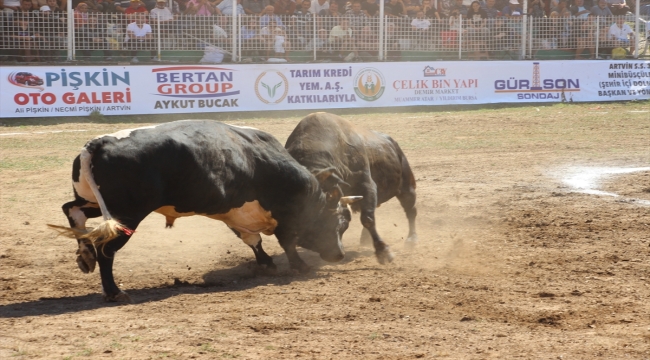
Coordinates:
(514, 260)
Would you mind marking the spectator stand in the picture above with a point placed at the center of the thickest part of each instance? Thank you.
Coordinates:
(180, 31)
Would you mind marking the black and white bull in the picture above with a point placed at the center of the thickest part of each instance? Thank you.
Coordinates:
(241, 176)
(367, 163)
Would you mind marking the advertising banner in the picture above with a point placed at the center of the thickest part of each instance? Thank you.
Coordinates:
(163, 89)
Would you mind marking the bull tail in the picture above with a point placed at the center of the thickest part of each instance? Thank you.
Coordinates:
(110, 228)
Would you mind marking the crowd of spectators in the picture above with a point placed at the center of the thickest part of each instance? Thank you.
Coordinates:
(335, 29)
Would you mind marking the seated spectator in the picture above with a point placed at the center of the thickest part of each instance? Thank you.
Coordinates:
(618, 7)
(429, 11)
(513, 5)
(284, 8)
(92, 36)
(356, 17)
(395, 9)
(321, 44)
(80, 15)
(25, 37)
(585, 37)
(445, 7)
(225, 7)
(370, 7)
(367, 44)
(329, 18)
(52, 31)
(10, 6)
(109, 6)
(220, 36)
(161, 13)
(303, 25)
(200, 8)
(411, 7)
(420, 28)
(276, 42)
(560, 7)
(135, 7)
(252, 41)
(536, 9)
(255, 7)
(139, 37)
(491, 9)
(268, 15)
(319, 5)
(477, 30)
(621, 35)
(601, 9)
(462, 9)
(579, 10)
(342, 42)
(27, 8)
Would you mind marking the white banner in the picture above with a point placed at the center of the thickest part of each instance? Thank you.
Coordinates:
(163, 89)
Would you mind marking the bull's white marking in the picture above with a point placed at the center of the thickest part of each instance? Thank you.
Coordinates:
(125, 133)
(587, 179)
(250, 220)
(78, 217)
(40, 132)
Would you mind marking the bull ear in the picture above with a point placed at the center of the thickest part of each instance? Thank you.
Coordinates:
(346, 200)
(329, 178)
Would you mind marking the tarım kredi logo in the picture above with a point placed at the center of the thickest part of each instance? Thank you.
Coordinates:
(369, 84)
(271, 87)
(552, 88)
(26, 80)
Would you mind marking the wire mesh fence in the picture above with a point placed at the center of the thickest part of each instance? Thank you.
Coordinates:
(303, 37)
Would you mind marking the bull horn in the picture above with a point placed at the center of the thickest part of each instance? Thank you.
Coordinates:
(346, 200)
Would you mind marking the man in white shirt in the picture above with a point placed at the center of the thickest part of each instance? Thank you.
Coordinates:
(621, 34)
(318, 5)
(161, 12)
(139, 37)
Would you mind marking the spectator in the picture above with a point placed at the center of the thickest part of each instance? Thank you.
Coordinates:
(109, 7)
(26, 8)
(620, 34)
(225, 7)
(513, 5)
(601, 9)
(321, 44)
(560, 7)
(445, 7)
(536, 8)
(420, 27)
(579, 11)
(586, 30)
(90, 37)
(367, 44)
(319, 5)
(275, 38)
(122, 5)
(284, 7)
(135, 6)
(252, 41)
(462, 9)
(10, 6)
(199, 8)
(255, 7)
(81, 15)
(329, 18)
(341, 41)
(356, 17)
(52, 31)
(268, 15)
(395, 9)
(139, 37)
(25, 36)
(491, 10)
(370, 7)
(411, 7)
(161, 13)
(618, 7)
(303, 24)
(94, 6)
(477, 31)
(219, 34)
(429, 11)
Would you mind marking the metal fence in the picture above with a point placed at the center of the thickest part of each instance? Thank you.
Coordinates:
(350, 37)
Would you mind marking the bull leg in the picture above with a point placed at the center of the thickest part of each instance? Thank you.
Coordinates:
(407, 199)
(78, 212)
(295, 262)
(105, 256)
(366, 239)
(368, 206)
(255, 242)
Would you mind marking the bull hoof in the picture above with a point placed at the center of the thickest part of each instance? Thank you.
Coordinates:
(301, 268)
(86, 261)
(266, 270)
(120, 297)
(385, 256)
(411, 242)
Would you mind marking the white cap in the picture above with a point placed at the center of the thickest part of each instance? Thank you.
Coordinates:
(45, 8)
(514, 2)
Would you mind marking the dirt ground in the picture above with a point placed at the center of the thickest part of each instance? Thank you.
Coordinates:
(512, 262)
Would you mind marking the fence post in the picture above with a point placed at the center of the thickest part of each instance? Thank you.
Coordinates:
(530, 38)
(158, 35)
(524, 30)
(597, 34)
(314, 36)
(71, 52)
(460, 37)
(382, 38)
(234, 31)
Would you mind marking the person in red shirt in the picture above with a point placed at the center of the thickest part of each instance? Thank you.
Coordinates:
(136, 6)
